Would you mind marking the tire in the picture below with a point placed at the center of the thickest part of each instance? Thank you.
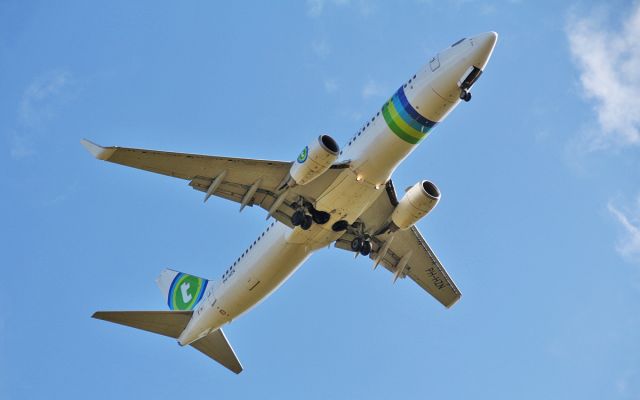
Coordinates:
(306, 223)
(366, 248)
(321, 217)
(356, 244)
(340, 226)
(297, 218)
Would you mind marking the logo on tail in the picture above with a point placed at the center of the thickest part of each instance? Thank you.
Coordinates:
(186, 291)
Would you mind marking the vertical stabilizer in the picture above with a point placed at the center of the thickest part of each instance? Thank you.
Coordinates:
(182, 291)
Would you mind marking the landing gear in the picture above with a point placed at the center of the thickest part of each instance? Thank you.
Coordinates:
(299, 218)
(306, 223)
(340, 226)
(465, 94)
(366, 248)
(305, 215)
(320, 217)
(356, 244)
(361, 245)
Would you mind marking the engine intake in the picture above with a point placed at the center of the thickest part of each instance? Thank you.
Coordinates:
(314, 160)
(419, 200)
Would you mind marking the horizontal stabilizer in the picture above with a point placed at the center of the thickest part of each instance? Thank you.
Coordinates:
(172, 323)
(167, 323)
(216, 346)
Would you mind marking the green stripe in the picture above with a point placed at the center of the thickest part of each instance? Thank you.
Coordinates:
(394, 128)
(397, 118)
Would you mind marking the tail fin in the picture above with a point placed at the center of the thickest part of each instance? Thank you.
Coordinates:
(182, 291)
(172, 323)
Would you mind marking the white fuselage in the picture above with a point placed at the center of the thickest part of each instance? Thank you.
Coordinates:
(373, 154)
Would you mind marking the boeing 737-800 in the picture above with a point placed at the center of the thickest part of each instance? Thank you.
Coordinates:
(327, 195)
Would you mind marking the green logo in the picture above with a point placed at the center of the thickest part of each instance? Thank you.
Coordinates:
(303, 155)
(186, 291)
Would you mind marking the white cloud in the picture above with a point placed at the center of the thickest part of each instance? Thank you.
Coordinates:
(626, 384)
(315, 8)
(36, 104)
(609, 64)
(628, 245)
(321, 48)
(330, 85)
(21, 146)
(371, 89)
(39, 103)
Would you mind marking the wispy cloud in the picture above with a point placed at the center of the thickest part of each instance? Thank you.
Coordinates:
(321, 48)
(39, 103)
(609, 62)
(330, 85)
(626, 384)
(371, 89)
(315, 8)
(36, 105)
(628, 245)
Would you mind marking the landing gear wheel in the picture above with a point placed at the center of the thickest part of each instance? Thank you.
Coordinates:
(356, 244)
(340, 226)
(465, 95)
(306, 223)
(366, 248)
(297, 218)
(321, 217)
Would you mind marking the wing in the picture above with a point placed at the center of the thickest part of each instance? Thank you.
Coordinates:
(245, 181)
(404, 253)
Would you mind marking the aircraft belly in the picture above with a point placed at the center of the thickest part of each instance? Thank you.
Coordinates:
(270, 263)
(348, 198)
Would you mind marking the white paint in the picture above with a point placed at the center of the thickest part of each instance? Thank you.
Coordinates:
(373, 154)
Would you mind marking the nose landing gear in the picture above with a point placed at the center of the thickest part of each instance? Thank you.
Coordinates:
(465, 95)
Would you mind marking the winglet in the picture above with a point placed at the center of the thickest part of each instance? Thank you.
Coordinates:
(99, 152)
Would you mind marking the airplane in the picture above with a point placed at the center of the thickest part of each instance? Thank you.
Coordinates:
(328, 194)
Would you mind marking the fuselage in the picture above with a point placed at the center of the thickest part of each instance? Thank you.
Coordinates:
(373, 153)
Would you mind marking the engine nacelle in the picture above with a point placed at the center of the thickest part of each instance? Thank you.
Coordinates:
(314, 160)
(419, 200)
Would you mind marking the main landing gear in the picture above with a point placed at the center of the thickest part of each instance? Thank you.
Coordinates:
(361, 245)
(362, 242)
(305, 215)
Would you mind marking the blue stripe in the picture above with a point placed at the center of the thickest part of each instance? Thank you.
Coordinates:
(204, 287)
(412, 112)
(406, 117)
(170, 296)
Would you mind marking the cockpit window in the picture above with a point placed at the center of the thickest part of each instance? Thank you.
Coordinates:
(434, 64)
(458, 42)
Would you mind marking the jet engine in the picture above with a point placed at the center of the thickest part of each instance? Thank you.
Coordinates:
(419, 200)
(314, 160)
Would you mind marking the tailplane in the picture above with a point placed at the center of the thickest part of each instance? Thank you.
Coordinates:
(171, 324)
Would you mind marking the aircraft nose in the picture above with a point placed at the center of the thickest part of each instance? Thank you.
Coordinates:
(482, 48)
(459, 66)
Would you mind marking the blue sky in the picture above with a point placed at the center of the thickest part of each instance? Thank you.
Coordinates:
(539, 222)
